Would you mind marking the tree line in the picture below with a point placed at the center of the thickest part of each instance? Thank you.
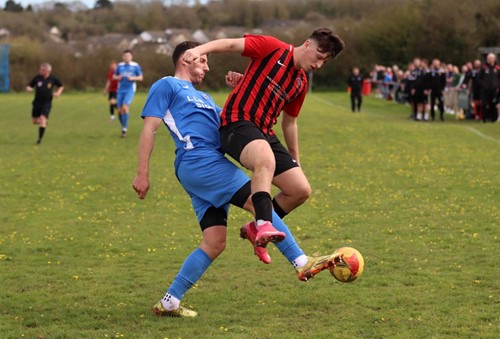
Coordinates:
(375, 31)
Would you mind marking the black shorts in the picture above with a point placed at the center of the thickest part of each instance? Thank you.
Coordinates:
(235, 136)
(112, 95)
(40, 109)
(420, 97)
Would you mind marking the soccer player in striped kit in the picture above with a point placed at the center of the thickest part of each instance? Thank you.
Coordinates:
(275, 80)
(212, 181)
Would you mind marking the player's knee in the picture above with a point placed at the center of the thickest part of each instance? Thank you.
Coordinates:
(302, 193)
(265, 163)
(218, 246)
(214, 246)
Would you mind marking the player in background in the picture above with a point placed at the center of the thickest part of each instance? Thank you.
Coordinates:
(43, 84)
(210, 179)
(275, 80)
(355, 83)
(110, 89)
(127, 73)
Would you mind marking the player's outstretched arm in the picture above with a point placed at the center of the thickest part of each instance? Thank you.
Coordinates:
(214, 46)
(146, 143)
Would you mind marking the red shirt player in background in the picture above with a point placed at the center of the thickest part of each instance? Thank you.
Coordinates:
(110, 89)
(275, 80)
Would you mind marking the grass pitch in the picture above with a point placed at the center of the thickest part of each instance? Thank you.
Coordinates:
(82, 257)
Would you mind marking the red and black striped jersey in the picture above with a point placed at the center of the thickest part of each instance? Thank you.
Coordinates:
(271, 84)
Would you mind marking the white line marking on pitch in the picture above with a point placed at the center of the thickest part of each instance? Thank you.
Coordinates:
(473, 130)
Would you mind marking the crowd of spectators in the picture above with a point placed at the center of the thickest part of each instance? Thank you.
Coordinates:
(469, 92)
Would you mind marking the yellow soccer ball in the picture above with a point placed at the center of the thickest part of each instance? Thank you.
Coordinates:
(351, 267)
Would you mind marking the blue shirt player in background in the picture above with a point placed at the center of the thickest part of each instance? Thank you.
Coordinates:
(210, 179)
(127, 73)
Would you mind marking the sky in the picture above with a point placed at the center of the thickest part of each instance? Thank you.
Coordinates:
(88, 3)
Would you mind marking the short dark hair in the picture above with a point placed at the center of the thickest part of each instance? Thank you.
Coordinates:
(181, 48)
(328, 42)
(127, 51)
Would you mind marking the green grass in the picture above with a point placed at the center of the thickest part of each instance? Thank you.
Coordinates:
(82, 257)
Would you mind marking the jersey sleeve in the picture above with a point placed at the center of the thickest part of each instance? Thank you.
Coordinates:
(294, 106)
(32, 83)
(257, 46)
(138, 70)
(159, 99)
(57, 82)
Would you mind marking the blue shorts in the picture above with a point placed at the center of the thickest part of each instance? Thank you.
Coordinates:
(124, 98)
(209, 178)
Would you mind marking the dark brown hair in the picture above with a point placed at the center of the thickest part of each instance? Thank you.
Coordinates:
(181, 48)
(328, 42)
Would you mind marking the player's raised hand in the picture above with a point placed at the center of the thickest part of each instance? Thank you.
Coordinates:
(191, 55)
(233, 79)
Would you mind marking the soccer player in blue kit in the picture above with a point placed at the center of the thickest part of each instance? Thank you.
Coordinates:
(127, 73)
(210, 179)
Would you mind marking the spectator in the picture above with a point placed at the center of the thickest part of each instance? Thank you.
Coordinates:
(355, 82)
(475, 89)
(435, 82)
(489, 77)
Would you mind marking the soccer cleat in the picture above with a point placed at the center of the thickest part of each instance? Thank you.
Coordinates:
(317, 264)
(181, 312)
(124, 134)
(266, 233)
(248, 231)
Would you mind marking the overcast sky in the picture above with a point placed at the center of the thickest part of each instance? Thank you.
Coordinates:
(88, 3)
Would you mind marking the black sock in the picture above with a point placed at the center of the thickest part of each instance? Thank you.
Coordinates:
(279, 211)
(41, 131)
(263, 206)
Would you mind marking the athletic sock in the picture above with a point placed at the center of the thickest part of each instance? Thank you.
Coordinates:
(41, 131)
(288, 247)
(125, 120)
(277, 208)
(170, 302)
(300, 261)
(191, 271)
(120, 117)
(263, 206)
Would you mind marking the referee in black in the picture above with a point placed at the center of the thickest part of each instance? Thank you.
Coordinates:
(43, 84)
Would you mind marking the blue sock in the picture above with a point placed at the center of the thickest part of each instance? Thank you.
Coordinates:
(191, 271)
(120, 117)
(288, 247)
(125, 120)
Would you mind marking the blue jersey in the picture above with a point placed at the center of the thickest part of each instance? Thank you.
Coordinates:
(127, 69)
(192, 117)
